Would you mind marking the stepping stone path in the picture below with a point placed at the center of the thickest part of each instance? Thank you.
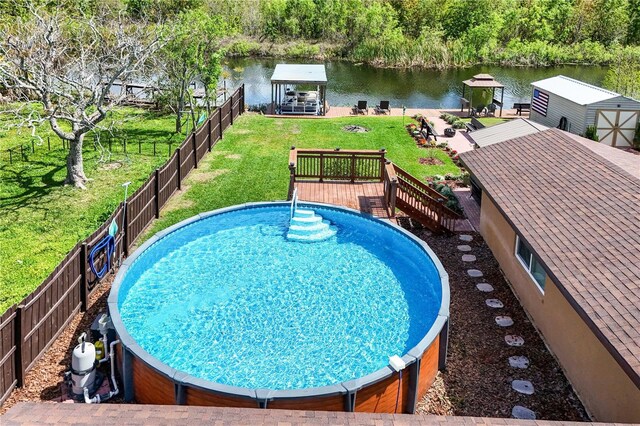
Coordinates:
(494, 303)
(504, 321)
(485, 287)
(523, 413)
(513, 340)
(474, 273)
(464, 248)
(465, 237)
(468, 258)
(519, 361)
(522, 386)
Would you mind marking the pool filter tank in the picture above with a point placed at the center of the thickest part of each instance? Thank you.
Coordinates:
(83, 366)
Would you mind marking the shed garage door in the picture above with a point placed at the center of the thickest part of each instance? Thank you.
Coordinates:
(616, 127)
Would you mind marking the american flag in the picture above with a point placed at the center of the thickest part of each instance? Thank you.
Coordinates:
(540, 102)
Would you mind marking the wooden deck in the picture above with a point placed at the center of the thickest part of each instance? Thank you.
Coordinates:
(368, 197)
(343, 111)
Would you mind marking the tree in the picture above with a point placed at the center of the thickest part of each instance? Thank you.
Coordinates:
(191, 53)
(62, 70)
(624, 75)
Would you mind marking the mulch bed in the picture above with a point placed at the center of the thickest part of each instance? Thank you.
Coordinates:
(44, 381)
(430, 161)
(477, 380)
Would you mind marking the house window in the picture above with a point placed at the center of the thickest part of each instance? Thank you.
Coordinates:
(530, 263)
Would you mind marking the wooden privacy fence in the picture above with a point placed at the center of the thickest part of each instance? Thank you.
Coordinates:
(30, 327)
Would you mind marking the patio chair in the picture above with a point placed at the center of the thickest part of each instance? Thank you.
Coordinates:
(383, 108)
(478, 110)
(361, 107)
(491, 109)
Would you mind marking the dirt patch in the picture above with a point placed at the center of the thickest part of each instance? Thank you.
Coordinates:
(295, 130)
(111, 166)
(207, 176)
(355, 129)
(477, 380)
(44, 381)
(178, 201)
(431, 161)
(233, 156)
(242, 131)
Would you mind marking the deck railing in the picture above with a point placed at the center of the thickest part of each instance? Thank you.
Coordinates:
(335, 165)
(419, 200)
(28, 329)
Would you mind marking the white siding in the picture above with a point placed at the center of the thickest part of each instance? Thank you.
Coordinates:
(561, 107)
(611, 104)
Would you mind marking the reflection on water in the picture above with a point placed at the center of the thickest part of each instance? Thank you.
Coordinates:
(413, 88)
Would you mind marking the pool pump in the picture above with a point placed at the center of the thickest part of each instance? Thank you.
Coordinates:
(83, 367)
(84, 379)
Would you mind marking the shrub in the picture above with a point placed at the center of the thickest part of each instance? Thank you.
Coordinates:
(458, 124)
(591, 133)
(442, 145)
(452, 200)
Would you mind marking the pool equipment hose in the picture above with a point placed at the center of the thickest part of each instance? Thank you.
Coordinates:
(108, 243)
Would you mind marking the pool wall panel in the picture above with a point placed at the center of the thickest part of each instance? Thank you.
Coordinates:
(206, 398)
(151, 387)
(330, 403)
(428, 368)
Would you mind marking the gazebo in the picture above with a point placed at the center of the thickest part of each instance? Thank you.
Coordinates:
(481, 81)
(288, 98)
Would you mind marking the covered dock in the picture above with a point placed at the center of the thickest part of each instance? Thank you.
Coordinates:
(292, 89)
(481, 81)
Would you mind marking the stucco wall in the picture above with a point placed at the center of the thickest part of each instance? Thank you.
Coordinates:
(604, 388)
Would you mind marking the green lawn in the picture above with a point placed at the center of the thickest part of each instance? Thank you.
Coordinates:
(250, 163)
(42, 219)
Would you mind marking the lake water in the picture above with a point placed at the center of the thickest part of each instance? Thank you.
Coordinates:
(413, 88)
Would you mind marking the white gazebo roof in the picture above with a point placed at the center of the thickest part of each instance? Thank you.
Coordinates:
(298, 73)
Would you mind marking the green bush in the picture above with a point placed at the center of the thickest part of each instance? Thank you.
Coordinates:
(452, 200)
(591, 133)
(458, 124)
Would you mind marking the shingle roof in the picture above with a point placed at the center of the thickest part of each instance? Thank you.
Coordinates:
(580, 214)
(574, 90)
(505, 131)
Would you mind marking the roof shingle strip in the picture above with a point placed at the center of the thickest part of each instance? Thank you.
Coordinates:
(587, 238)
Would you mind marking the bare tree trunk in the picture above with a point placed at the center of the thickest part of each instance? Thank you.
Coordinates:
(75, 168)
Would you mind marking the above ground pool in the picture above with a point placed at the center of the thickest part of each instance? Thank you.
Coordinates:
(227, 308)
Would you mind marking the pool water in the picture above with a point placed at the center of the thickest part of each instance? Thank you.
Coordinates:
(229, 299)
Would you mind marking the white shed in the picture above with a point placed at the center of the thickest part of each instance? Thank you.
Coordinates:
(573, 105)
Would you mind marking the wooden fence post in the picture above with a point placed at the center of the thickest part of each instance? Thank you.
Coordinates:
(179, 173)
(156, 188)
(17, 333)
(242, 98)
(195, 150)
(125, 230)
(209, 132)
(231, 111)
(220, 120)
(83, 278)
